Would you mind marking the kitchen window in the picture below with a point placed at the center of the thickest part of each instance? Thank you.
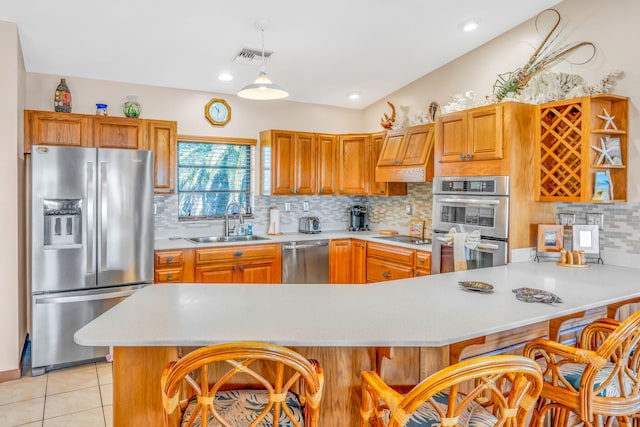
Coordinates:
(211, 173)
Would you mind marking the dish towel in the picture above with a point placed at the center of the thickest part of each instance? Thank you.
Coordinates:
(459, 258)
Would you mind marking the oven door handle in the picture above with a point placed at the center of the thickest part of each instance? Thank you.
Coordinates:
(488, 246)
(471, 201)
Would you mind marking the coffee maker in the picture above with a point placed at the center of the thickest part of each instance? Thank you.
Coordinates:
(358, 218)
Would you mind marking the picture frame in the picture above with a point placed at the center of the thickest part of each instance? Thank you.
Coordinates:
(416, 228)
(550, 237)
(586, 237)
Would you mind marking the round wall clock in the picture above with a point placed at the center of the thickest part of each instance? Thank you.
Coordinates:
(218, 112)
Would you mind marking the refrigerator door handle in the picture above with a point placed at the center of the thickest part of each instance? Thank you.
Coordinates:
(86, 297)
(89, 218)
(103, 216)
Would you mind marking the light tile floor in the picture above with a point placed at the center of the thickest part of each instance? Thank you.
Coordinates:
(77, 396)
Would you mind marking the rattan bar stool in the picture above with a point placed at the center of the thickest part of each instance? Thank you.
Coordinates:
(498, 391)
(248, 384)
(598, 381)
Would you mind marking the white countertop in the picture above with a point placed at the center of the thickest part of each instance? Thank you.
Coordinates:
(183, 243)
(427, 311)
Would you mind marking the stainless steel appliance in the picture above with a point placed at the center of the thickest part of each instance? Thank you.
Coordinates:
(91, 243)
(305, 262)
(468, 204)
(309, 225)
(358, 218)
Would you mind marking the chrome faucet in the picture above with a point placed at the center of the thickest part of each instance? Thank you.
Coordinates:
(226, 216)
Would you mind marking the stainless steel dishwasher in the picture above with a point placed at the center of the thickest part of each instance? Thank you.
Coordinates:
(305, 261)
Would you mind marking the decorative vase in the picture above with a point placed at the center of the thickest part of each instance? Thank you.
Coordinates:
(62, 98)
(132, 107)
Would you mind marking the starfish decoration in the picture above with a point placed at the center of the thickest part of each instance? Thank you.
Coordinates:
(604, 152)
(608, 119)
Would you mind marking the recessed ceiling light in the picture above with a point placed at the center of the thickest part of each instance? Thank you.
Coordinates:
(354, 95)
(470, 25)
(225, 77)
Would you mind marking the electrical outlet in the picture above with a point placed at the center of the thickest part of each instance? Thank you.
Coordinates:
(594, 218)
(287, 207)
(408, 209)
(305, 206)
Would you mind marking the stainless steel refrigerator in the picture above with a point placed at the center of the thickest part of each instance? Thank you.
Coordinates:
(91, 243)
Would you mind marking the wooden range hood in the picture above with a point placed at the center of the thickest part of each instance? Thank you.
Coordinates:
(407, 155)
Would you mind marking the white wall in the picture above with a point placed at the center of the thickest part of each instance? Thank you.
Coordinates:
(248, 118)
(611, 26)
(11, 88)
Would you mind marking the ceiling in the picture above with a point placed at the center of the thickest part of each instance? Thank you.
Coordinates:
(323, 50)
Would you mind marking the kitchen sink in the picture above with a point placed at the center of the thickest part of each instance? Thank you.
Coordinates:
(223, 239)
(405, 239)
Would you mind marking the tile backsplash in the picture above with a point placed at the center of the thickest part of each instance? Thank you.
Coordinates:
(621, 228)
(385, 212)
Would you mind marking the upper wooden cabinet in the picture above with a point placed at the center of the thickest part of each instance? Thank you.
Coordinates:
(327, 163)
(47, 128)
(483, 141)
(382, 188)
(407, 155)
(567, 163)
(162, 141)
(83, 130)
(292, 161)
(119, 132)
(353, 165)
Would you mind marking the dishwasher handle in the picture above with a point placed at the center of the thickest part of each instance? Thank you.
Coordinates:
(305, 245)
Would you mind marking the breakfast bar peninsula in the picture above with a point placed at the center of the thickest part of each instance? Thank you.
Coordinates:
(428, 321)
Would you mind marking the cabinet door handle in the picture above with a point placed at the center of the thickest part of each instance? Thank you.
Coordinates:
(241, 267)
(235, 267)
(341, 190)
(381, 191)
(468, 156)
(386, 275)
(321, 190)
(421, 261)
(362, 245)
(461, 156)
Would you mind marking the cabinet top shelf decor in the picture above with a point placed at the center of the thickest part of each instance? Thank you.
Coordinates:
(581, 145)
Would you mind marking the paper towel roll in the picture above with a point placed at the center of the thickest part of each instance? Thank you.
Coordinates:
(274, 221)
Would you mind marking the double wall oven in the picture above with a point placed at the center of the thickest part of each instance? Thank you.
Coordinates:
(467, 204)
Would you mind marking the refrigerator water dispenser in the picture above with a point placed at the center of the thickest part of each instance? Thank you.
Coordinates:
(62, 223)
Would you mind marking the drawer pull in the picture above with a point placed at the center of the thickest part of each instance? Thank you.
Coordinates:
(238, 253)
(241, 267)
(421, 261)
(461, 156)
(469, 156)
(169, 276)
(169, 259)
(386, 275)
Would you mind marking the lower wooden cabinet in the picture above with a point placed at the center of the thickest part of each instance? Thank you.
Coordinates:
(388, 262)
(359, 261)
(174, 266)
(423, 263)
(340, 259)
(239, 264)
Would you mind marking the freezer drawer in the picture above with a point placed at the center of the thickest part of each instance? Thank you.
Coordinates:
(56, 317)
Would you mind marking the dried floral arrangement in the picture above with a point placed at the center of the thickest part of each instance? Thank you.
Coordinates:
(547, 53)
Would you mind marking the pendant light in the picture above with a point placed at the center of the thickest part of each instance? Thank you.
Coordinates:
(262, 88)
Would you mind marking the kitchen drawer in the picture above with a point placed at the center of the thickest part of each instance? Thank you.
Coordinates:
(236, 253)
(423, 263)
(169, 275)
(379, 271)
(167, 258)
(390, 253)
